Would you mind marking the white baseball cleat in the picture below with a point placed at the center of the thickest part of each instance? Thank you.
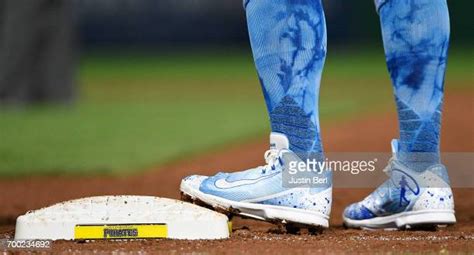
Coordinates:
(259, 192)
(408, 199)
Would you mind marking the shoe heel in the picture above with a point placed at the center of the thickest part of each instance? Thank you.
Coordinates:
(426, 219)
(435, 199)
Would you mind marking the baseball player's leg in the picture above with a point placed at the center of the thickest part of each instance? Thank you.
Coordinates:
(416, 40)
(288, 40)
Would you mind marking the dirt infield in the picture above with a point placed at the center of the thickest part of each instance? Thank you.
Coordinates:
(251, 237)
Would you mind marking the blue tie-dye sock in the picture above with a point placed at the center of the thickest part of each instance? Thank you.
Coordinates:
(416, 40)
(288, 39)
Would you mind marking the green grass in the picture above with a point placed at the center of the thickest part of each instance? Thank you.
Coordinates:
(138, 110)
(125, 136)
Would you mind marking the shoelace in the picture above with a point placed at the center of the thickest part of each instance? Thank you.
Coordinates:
(272, 157)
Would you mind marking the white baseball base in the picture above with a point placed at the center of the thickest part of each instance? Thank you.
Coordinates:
(122, 217)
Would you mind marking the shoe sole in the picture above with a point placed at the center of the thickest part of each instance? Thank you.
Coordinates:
(291, 218)
(424, 219)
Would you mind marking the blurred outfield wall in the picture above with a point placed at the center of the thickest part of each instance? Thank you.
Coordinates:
(164, 22)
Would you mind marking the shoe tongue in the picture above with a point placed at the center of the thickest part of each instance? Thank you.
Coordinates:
(394, 144)
(279, 141)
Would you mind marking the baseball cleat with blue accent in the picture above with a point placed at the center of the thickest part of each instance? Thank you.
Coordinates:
(408, 199)
(259, 193)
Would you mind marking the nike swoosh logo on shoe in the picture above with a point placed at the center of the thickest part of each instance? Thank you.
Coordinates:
(224, 184)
